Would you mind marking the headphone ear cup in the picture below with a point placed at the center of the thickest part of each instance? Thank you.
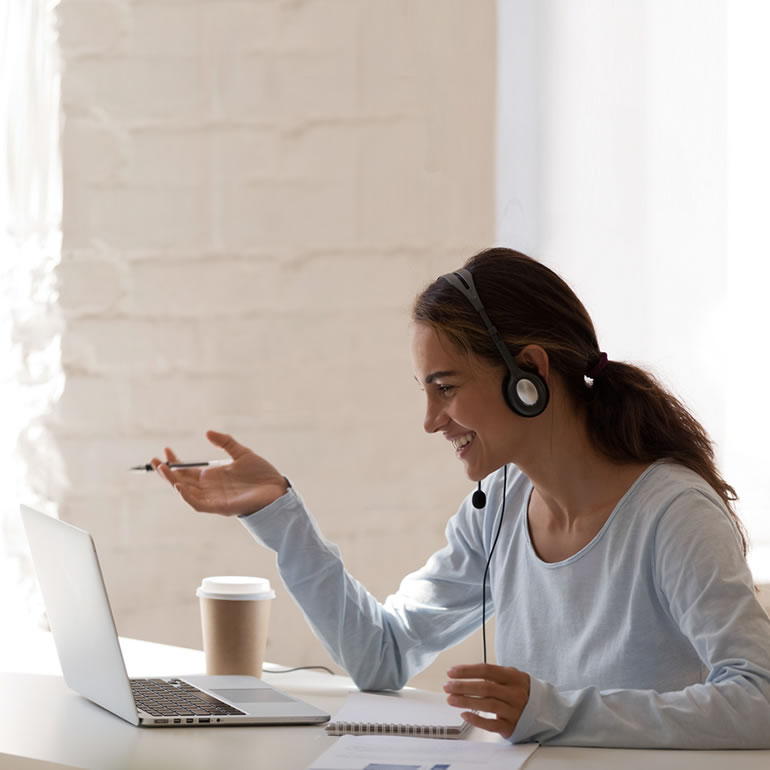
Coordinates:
(528, 396)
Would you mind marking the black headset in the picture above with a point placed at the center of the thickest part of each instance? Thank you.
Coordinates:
(524, 392)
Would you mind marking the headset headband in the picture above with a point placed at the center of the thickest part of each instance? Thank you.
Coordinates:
(463, 281)
(524, 392)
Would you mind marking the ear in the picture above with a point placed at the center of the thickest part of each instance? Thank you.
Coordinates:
(534, 358)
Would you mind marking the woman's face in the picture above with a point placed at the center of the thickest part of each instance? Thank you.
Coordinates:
(465, 403)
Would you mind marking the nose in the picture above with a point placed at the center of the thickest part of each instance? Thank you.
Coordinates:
(435, 416)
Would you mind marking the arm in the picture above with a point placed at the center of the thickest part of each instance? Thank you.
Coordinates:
(705, 587)
(380, 645)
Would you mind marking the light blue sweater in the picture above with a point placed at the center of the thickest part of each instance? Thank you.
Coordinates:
(650, 636)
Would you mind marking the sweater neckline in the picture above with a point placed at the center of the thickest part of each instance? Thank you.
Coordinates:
(597, 537)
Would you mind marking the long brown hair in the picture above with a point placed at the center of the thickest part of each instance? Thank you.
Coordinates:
(630, 416)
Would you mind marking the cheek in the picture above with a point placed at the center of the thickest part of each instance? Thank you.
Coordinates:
(501, 424)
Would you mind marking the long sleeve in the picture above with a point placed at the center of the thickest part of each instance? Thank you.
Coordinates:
(704, 587)
(381, 645)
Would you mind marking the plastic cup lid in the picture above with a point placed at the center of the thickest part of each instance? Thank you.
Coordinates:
(235, 587)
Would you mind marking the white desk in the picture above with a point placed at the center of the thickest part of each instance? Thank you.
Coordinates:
(41, 719)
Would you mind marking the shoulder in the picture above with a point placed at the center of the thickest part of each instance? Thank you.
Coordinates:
(673, 490)
(671, 510)
(665, 482)
(687, 517)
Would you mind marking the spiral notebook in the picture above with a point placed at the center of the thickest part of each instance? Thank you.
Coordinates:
(407, 712)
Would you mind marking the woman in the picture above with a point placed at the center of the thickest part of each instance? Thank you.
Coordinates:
(614, 561)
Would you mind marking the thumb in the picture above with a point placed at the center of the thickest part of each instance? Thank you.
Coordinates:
(228, 443)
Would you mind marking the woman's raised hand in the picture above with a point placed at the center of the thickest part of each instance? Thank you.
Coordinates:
(247, 484)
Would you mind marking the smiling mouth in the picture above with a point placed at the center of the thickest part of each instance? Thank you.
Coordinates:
(461, 442)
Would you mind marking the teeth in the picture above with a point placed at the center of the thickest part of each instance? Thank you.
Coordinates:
(459, 443)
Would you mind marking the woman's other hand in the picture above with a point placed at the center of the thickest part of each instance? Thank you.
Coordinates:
(247, 484)
(500, 691)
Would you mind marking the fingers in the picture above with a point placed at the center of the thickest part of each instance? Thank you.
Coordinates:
(176, 475)
(501, 708)
(480, 688)
(170, 458)
(163, 470)
(501, 726)
(228, 443)
(500, 691)
(502, 674)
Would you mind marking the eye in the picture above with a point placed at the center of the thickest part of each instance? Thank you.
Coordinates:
(445, 390)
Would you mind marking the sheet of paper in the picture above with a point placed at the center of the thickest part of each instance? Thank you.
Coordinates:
(365, 752)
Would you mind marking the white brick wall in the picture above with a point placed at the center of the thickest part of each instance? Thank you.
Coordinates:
(253, 193)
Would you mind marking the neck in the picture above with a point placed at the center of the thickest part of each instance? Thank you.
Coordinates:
(572, 478)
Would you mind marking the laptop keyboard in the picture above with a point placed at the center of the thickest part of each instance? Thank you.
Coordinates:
(175, 698)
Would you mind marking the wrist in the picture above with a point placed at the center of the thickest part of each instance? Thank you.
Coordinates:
(273, 492)
(274, 497)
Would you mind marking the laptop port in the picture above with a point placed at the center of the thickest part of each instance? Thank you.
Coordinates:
(161, 721)
(189, 720)
(177, 721)
(206, 719)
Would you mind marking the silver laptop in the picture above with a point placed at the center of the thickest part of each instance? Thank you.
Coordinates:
(83, 629)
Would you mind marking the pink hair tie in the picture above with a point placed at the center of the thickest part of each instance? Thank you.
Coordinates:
(598, 367)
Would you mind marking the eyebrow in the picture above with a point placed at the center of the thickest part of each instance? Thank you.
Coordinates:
(437, 375)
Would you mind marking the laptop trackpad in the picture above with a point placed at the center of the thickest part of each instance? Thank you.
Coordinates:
(251, 695)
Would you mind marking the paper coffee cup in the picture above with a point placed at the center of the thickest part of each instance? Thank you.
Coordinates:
(235, 616)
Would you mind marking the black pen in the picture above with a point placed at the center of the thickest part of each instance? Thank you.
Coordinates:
(201, 464)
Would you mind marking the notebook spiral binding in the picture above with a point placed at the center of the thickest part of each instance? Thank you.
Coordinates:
(377, 728)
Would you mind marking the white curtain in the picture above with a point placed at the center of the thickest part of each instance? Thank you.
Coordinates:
(30, 242)
(633, 160)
